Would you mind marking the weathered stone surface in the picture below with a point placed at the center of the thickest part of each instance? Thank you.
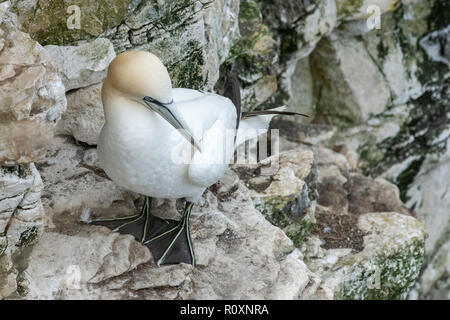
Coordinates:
(245, 255)
(321, 21)
(358, 242)
(221, 30)
(74, 181)
(31, 97)
(361, 92)
(392, 56)
(3, 7)
(21, 215)
(342, 192)
(299, 85)
(84, 117)
(360, 9)
(84, 64)
(429, 195)
(386, 94)
(360, 248)
(282, 188)
(293, 133)
(434, 282)
(199, 39)
(61, 264)
(51, 22)
(437, 45)
(303, 22)
(385, 268)
(284, 14)
(253, 57)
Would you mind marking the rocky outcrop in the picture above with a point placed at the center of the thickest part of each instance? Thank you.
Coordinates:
(84, 117)
(32, 101)
(354, 10)
(239, 253)
(21, 214)
(428, 195)
(31, 97)
(82, 65)
(61, 24)
(384, 268)
(198, 38)
(362, 91)
(282, 187)
(333, 218)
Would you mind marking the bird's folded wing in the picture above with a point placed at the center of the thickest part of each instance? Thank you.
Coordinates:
(217, 147)
(182, 94)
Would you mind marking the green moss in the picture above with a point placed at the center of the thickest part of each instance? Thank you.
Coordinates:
(96, 52)
(28, 237)
(188, 73)
(171, 13)
(20, 170)
(382, 50)
(249, 10)
(384, 277)
(427, 119)
(47, 21)
(293, 214)
(22, 288)
(252, 55)
(349, 7)
(298, 231)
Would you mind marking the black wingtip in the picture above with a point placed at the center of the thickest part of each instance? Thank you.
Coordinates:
(265, 112)
(232, 90)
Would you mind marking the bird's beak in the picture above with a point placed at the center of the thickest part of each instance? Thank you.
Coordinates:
(170, 113)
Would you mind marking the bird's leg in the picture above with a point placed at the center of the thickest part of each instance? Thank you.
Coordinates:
(136, 225)
(170, 241)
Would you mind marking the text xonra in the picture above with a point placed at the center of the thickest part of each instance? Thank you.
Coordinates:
(246, 309)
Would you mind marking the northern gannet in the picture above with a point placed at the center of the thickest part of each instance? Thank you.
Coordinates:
(168, 143)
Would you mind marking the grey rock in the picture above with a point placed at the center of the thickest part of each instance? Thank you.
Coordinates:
(84, 64)
(353, 88)
(84, 117)
(21, 221)
(239, 253)
(31, 97)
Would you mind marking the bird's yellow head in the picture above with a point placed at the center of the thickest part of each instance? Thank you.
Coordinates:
(139, 74)
(141, 77)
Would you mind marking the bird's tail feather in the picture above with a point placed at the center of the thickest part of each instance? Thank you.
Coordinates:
(255, 123)
(275, 111)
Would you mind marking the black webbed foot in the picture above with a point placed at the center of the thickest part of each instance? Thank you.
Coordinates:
(170, 241)
(136, 225)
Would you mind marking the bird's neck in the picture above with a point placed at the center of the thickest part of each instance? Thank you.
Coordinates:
(120, 109)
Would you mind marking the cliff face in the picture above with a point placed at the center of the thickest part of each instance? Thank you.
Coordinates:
(345, 215)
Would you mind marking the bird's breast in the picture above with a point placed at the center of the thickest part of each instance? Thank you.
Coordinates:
(140, 153)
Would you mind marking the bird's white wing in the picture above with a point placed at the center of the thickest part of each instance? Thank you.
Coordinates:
(182, 94)
(210, 164)
(213, 121)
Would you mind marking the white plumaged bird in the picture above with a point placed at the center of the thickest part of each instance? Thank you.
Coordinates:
(165, 142)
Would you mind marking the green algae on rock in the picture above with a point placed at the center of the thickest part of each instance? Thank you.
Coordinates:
(386, 268)
(47, 20)
(286, 193)
(255, 57)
